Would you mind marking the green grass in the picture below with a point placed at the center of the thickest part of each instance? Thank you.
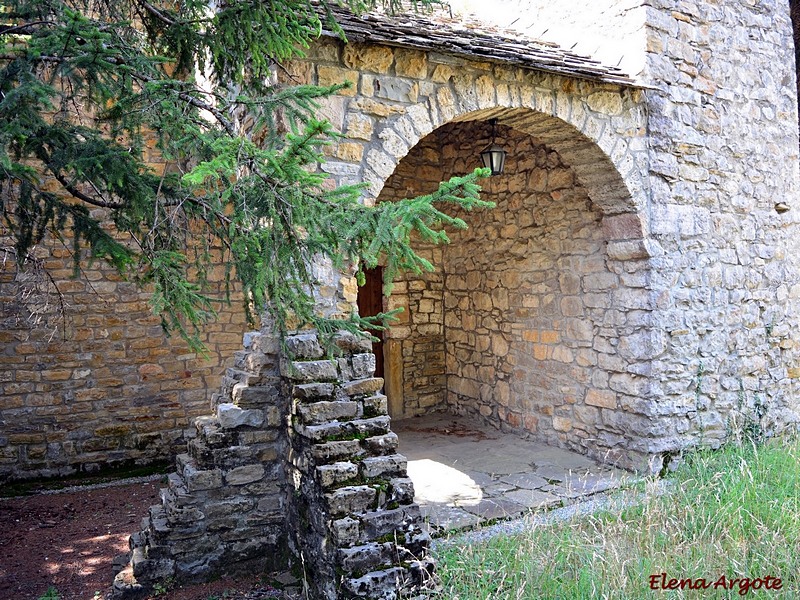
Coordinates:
(732, 512)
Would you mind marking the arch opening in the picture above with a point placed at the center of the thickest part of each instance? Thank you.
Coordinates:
(517, 328)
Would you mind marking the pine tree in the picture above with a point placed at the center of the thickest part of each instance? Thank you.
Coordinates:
(84, 84)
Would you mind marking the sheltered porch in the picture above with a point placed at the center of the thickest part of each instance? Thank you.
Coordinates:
(466, 473)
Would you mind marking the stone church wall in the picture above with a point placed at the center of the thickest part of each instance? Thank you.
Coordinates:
(99, 384)
(724, 157)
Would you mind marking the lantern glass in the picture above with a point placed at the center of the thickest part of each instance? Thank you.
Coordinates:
(494, 158)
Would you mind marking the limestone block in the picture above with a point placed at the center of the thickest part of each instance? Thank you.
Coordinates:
(378, 108)
(362, 387)
(244, 475)
(346, 531)
(231, 416)
(396, 89)
(601, 398)
(410, 63)
(608, 103)
(367, 57)
(335, 474)
(377, 524)
(337, 450)
(325, 411)
(381, 444)
(312, 370)
(304, 346)
(401, 490)
(562, 424)
(355, 428)
(313, 391)
(369, 556)
(201, 480)
(363, 365)
(351, 500)
(375, 583)
(375, 405)
(393, 465)
(327, 75)
(359, 126)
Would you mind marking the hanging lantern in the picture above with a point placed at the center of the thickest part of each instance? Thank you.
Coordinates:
(494, 157)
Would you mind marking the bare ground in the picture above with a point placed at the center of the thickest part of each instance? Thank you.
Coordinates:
(68, 540)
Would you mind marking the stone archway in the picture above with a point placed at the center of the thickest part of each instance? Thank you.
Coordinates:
(597, 131)
(525, 322)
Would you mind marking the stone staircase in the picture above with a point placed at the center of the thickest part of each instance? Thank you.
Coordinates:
(297, 463)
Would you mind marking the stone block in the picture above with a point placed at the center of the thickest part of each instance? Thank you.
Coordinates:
(381, 444)
(304, 346)
(401, 490)
(312, 370)
(410, 63)
(256, 396)
(358, 428)
(393, 465)
(601, 398)
(363, 365)
(317, 413)
(375, 405)
(366, 57)
(346, 531)
(369, 556)
(375, 584)
(231, 416)
(244, 475)
(201, 480)
(313, 391)
(396, 89)
(362, 387)
(378, 524)
(336, 474)
(351, 500)
(336, 450)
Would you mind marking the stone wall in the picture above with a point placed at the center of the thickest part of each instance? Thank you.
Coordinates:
(297, 466)
(102, 384)
(724, 157)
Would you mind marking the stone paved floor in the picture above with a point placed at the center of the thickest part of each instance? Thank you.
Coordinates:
(466, 473)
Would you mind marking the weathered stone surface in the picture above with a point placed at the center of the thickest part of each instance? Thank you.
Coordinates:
(322, 412)
(336, 474)
(313, 391)
(231, 416)
(312, 370)
(304, 346)
(383, 466)
(244, 475)
(351, 499)
(362, 387)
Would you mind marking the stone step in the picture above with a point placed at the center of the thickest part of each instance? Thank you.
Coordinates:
(240, 376)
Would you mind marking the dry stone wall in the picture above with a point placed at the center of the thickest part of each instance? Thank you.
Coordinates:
(297, 466)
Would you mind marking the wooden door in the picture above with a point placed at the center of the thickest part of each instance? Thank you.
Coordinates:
(370, 303)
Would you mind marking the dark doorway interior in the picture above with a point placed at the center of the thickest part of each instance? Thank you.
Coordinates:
(370, 303)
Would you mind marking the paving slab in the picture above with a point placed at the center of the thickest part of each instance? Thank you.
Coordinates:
(490, 509)
(533, 498)
(465, 472)
(448, 518)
